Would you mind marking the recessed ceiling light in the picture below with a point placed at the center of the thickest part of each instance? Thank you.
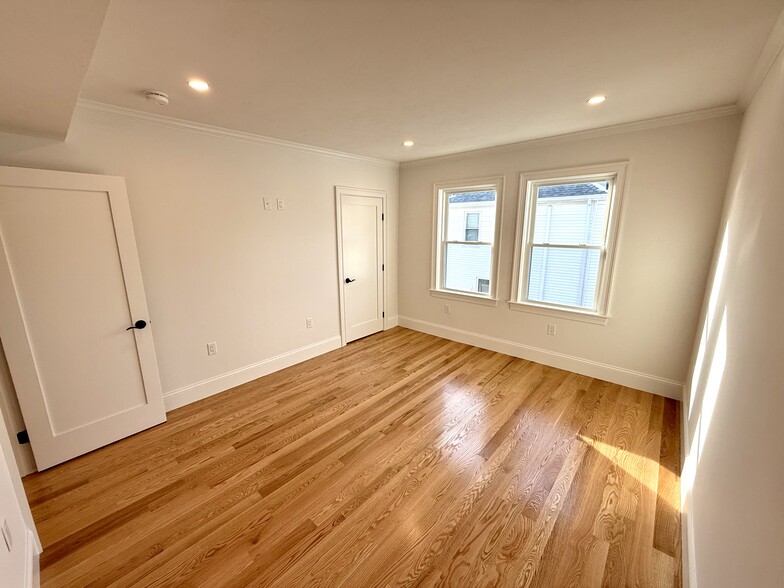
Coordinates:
(199, 85)
(597, 99)
(408, 143)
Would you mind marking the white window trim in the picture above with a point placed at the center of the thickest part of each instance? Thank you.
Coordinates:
(524, 226)
(439, 205)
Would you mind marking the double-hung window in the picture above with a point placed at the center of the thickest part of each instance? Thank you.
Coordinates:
(567, 231)
(465, 239)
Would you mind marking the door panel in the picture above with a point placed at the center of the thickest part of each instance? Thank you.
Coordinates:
(362, 246)
(71, 286)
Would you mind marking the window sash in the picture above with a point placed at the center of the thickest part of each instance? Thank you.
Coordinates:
(532, 190)
(442, 277)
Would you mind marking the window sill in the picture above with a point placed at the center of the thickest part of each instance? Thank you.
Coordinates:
(464, 297)
(572, 315)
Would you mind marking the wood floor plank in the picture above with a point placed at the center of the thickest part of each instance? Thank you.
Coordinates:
(400, 460)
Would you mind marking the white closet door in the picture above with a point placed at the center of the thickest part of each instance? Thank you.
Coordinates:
(361, 234)
(70, 289)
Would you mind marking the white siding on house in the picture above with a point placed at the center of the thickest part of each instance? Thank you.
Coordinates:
(563, 276)
(456, 220)
(465, 265)
(567, 276)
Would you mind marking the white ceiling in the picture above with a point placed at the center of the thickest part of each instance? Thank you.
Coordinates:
(363, 75)
(46, 47)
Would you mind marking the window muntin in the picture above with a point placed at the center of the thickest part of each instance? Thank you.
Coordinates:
(465, 245)
(567, 240)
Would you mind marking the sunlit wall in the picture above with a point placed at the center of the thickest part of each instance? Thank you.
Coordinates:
(733, 475)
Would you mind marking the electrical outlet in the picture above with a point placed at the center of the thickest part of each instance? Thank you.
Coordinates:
(447, 309)
(281, 204)
(212, 348)
(551, 329)
(309, 322)
(268, 204)
(9, 542)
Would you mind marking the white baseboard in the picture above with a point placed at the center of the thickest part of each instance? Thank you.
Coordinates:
(193, 392)
(391, 322)
(611, 373)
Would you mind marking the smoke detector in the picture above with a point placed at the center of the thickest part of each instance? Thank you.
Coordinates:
(159, 98)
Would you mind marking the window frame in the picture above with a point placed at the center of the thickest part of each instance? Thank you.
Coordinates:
(526, 214)
(441, 192)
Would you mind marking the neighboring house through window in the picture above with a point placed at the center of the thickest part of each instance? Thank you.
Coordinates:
(464, 244)
(566, 240)
(472, 226)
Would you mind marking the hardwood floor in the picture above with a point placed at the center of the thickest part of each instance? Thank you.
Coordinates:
(401, 459)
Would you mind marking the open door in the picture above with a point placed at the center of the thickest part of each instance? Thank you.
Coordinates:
(73, 315)
(360, 216)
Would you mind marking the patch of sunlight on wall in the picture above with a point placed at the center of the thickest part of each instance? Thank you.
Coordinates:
(695, 378)
(718, 279)
(715, 377)
(689, 471)
(710, 397)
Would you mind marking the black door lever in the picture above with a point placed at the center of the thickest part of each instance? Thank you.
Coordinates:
(140, 324)
(349, 280)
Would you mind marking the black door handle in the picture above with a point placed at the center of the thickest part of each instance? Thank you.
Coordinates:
(349, 280)
(140, 324)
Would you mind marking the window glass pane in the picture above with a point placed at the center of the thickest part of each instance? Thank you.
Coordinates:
(471, 213)
(483, 286)
(465, 265)
(571, 214)
(563, 276)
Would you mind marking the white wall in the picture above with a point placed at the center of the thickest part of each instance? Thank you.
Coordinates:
(672, 205)
(216, 265)
(733, 479)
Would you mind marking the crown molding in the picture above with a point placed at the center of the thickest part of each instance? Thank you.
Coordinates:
(770, 51)
(209, 130)
(640, 125)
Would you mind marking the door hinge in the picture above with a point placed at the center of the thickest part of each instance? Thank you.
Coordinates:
(382, 216)
(383, 314)
(23, 437)
(382, 267)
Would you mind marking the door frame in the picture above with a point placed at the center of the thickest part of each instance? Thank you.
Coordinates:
(341, 191)
(13, 330)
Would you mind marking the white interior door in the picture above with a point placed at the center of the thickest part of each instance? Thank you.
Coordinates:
(70, 286)
(361, 247)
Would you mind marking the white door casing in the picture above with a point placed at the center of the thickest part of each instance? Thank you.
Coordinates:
(360, 228)
(70, 286)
